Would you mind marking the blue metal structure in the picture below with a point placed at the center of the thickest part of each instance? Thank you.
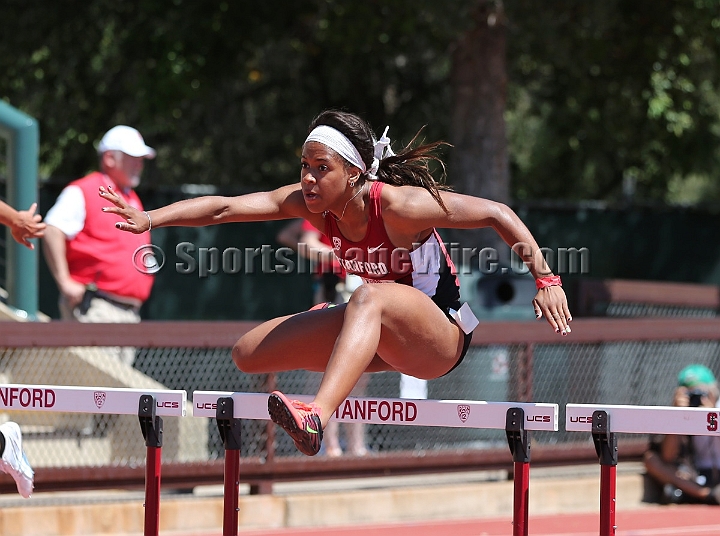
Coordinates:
(22, 134)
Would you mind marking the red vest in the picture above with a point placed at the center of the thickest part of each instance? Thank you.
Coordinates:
(101, 253)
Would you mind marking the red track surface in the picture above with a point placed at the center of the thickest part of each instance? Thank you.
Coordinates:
(686, 520)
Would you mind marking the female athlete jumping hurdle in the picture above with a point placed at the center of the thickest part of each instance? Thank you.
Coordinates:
(380, 210)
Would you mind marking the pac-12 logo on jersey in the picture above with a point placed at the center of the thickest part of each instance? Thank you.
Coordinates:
(336, 242)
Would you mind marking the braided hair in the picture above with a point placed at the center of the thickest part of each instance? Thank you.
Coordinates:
(410, 167)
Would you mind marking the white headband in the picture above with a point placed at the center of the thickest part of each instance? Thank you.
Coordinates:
(338, 142)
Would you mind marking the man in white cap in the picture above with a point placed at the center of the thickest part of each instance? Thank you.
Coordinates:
(94, 266)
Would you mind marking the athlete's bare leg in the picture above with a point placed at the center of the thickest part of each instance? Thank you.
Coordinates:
(399, 323)
(300, 341)
(395, 327)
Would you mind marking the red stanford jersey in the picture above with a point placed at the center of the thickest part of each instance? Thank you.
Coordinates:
(376, 259)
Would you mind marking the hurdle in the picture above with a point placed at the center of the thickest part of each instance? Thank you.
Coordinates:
(604, 421)
(516, 419)
(149, 405)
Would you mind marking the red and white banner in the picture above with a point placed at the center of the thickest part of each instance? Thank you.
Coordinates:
(405, 412)
(645, 419)
(71, 399)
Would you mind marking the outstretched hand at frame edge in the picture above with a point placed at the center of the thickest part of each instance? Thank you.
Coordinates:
(136, 221)
(25, 225)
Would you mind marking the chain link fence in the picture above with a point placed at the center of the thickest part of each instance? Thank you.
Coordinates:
(641, 372)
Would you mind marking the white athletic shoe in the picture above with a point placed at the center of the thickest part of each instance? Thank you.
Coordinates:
(14, 462)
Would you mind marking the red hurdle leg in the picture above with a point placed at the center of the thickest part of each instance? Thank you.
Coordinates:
(232, 493)
(608, 499)
(520, 449)
(229, 428)
(521, 495)
(151, 426)
(606, 449)
(152, 491)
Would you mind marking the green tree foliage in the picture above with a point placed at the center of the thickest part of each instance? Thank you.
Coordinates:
(604, 97)
(224, 90)
(613, 97)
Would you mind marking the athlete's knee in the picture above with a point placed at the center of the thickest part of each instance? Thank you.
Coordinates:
(365, 295)
(241, 355)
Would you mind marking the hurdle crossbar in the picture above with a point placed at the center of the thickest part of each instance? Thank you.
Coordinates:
(398, 411)
(645, 419)
(604, 421)
(74, 399)
(515, 418)
(148, 404)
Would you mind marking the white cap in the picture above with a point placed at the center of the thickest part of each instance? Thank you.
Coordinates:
(125, 139)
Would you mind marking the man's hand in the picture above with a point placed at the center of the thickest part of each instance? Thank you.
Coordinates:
(681, 398)
(72, 291)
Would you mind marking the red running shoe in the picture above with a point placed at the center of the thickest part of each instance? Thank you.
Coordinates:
(301, 421)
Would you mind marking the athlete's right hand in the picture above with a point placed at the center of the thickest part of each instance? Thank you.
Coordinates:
(25, 225)
(136, 221)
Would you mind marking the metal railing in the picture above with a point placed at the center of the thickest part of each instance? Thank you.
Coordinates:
(605, 360)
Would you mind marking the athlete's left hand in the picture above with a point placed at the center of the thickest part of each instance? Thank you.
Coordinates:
(136, 221)
(551, 303)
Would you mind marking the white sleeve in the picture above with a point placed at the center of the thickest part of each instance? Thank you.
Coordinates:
(68, 212)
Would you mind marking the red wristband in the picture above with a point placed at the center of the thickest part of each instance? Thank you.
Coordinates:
(548, 281)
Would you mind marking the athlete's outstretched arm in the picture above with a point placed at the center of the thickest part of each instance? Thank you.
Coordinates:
(285, 202)
(23, 224)
(413, 210)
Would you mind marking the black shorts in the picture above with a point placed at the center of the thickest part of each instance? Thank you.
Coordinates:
(466, 342)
